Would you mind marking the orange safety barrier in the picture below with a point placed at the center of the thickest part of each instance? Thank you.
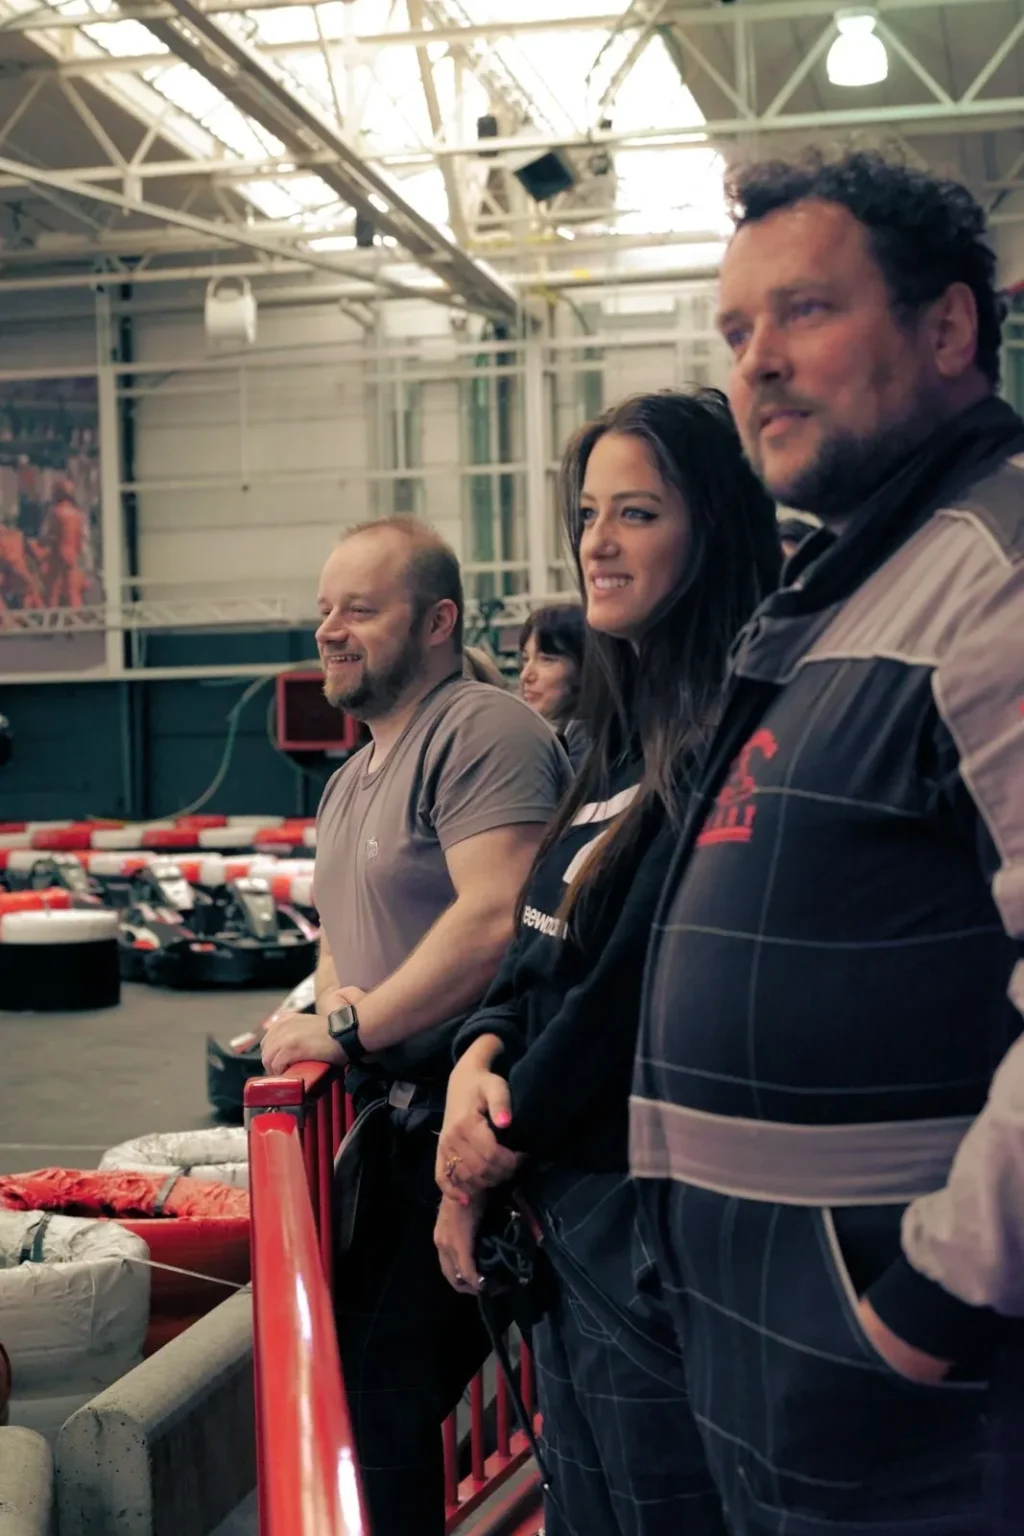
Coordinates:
(169, 837)
(53, 898)
(308, 1482)
(62, 839)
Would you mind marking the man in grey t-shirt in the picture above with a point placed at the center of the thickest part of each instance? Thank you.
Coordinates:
(424, 840)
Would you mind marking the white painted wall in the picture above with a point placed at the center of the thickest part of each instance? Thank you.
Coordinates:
(247, 471)
(441, 445)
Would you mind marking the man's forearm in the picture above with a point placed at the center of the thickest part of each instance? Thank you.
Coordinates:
(449, 971)
(326, 979)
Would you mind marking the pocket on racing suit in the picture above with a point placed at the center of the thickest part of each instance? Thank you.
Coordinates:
(849, 1437)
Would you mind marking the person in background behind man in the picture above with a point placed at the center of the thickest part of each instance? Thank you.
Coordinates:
(424, 838)
(480, 666)
(551, 649)
(835, 984)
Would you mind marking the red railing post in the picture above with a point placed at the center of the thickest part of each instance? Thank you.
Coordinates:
(311, 1157)
(286, 1097)
(325, 1193)
(450, 1446)
(306, 1460)
(477, 1455)
(502, 1414)
(309, 1484)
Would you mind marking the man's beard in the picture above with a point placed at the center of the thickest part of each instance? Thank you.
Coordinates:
(378, 691)
(847, 469)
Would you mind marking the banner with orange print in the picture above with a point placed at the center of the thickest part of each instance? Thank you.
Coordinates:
(50, 555)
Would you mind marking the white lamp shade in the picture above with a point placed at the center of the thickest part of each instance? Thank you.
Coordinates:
(857, 57)
(229, 313)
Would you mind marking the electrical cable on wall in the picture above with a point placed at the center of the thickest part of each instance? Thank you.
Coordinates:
(233, 718)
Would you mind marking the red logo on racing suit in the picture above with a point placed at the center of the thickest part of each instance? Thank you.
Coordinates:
(732, 819)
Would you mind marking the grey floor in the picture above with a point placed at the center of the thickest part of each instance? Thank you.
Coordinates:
(73, 1084)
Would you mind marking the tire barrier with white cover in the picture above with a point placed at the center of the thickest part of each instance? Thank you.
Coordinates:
(117, 838)
(189, 1224)
(74, 1303)
(56, 961)
(219, 1156)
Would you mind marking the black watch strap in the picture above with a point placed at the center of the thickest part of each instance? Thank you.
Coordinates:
(343, 1026)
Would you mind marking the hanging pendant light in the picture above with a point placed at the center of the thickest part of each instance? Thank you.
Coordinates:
(857, 57)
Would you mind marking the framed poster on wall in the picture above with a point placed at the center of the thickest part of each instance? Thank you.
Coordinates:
(50, 546)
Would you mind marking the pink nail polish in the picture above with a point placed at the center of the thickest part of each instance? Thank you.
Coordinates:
(503, 1119)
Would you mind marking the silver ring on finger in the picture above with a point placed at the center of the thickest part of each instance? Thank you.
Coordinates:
(460, 1277)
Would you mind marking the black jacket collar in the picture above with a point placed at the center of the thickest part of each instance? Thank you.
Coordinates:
(826, 569)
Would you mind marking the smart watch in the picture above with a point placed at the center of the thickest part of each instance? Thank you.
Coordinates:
(343, 1026)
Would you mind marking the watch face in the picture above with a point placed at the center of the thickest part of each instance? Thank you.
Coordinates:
(340, 1020)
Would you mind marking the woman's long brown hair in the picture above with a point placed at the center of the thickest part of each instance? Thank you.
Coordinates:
(662, 696)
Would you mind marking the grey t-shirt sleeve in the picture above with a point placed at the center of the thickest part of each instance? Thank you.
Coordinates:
(492, 763)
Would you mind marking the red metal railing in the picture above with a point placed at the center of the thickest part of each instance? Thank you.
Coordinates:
(309, 1485)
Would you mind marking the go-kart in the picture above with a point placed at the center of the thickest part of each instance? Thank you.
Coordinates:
(53, 871)
(240, 938)
(159, 909)
(229, 1067)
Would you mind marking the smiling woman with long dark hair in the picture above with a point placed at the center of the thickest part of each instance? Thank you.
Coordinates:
(674, 543)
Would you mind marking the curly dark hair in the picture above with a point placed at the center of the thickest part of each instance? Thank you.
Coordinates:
(925, 232)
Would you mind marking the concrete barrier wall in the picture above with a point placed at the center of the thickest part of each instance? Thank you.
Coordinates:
(26, 1484)
(169, 1450)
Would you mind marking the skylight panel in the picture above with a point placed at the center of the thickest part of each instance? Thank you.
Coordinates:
(242, 135)
(291, 24)
(272, 198)
(122, 38)
(188, 89)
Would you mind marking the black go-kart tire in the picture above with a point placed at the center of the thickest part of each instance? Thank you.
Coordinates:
(132, 962)
(227, 1073)
(287, 962)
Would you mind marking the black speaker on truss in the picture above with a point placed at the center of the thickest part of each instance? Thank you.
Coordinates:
(365, 232)
(487, 128)
(544, 173)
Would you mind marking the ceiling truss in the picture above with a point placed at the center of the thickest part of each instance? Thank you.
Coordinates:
(727, 55)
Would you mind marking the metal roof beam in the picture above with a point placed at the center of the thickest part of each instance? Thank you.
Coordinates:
(689, 16)
(222, 233)
(245, 80)
(959, 116)
(453, 192)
